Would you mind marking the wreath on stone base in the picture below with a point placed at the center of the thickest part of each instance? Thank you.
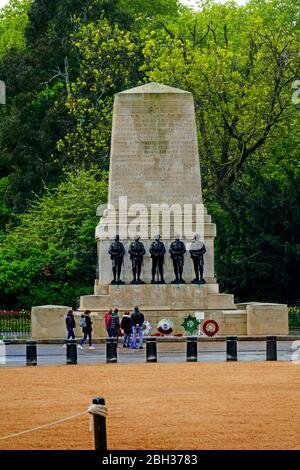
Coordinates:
(190, 324)
(210, 327)
(165, 326)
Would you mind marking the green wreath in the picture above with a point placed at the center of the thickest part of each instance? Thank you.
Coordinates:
(190, 324)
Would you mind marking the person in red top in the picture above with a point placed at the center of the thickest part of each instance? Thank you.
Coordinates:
(108, 322)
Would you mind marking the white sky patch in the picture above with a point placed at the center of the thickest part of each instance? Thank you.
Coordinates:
(3, 2)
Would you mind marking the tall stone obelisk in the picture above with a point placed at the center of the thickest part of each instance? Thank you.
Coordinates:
(154, 149)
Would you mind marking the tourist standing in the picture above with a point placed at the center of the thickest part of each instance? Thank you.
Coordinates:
(137, 319)
(86, 325)
(107, 320)
(70, 325)
(115, 323)
(126, 325)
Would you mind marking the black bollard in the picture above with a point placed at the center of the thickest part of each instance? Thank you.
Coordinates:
(231, 348)
(191, 349)
(31, 356)
(151, 350)
(71, 351)
(271, 349)
(99, 427)
(111, 350)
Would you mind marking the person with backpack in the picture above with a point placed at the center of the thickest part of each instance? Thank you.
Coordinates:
(115, 323)
(107, 320)
(137, 319)
(86, 325)
(70, 325)
(126, 325)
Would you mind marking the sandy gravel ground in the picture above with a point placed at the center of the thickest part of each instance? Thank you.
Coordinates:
(155, 406)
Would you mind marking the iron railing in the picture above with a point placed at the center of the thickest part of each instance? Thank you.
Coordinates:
(294, 320)
(15, 323)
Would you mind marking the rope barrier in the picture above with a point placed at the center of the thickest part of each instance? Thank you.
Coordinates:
(100, 410)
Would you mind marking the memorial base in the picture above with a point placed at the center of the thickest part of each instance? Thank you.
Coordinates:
(167, 301)
(170, 302)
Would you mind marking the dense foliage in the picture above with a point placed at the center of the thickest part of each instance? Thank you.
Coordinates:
(51, 255)
(64, 61)
(13, 22)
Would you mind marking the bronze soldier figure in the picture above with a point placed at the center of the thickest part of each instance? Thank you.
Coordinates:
(197, 251)
(117, 252)
(157, 251)
(177, 251)
(136, 251)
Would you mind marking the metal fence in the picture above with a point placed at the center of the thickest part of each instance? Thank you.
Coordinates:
(15, 324)
(294, 322)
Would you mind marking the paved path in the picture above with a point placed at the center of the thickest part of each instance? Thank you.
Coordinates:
(14, 355)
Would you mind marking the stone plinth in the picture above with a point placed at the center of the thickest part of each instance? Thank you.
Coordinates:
(48, 321)
(167, 297)
(174, 302)
(267, 319)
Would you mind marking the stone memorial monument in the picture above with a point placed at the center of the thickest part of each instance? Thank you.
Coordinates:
(155, 188)
(155, 164)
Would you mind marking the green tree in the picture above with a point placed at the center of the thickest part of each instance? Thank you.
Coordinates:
(258, 242)
(37, 80)
(151, 10)
(6, 215)
(51, 256)
(239, 63)
(13, 21)
(110, 59)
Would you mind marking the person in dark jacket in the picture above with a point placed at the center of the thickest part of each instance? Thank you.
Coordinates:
(86, 325)
(70, 325)
(137, 319)
(126, 325)
(115, 323)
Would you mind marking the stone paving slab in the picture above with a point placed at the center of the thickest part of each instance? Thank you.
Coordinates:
(52, 354)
